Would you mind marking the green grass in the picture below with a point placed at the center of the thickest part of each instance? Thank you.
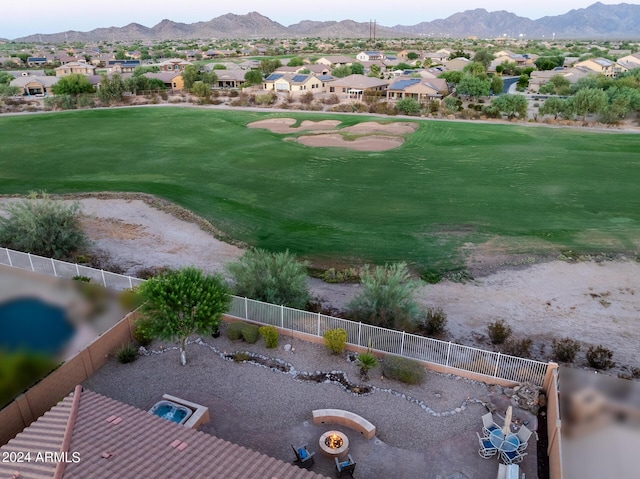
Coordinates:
(450, 183)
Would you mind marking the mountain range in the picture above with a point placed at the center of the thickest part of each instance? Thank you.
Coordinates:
(596, 22)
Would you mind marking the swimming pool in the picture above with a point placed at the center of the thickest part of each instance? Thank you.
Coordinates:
(33, 325)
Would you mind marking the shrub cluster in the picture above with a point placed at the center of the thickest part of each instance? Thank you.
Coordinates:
(518, 347)
(335, 340)
(434, 322)
(270, 336)
(248, 332)
(599, 357)
(498, 331)
(403, 369)
(127, 353)
(142, 332)
(565, 350)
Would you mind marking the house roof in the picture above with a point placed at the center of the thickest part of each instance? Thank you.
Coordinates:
(112, 439)
(402, 84)
(359, 81)
(46, 81)
(274, 76)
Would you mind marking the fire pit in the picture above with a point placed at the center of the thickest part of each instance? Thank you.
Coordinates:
(334, 444)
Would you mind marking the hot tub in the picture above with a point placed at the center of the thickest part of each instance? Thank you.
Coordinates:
(171, 411)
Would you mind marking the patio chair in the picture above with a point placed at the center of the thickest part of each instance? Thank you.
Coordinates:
(304, 458)
(345, 467)
(523, 436)
(514, 457)
(488, 424)
(487, 449)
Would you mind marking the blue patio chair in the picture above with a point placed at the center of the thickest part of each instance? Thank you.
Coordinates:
(304, 458)
(487, 449)
(345, 467)
(514, 457)
(488, 424)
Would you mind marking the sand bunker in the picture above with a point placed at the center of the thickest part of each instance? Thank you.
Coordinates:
(283, 125)
(371, 141)
(365, 143)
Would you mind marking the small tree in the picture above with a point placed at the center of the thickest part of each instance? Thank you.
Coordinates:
(408, 106)
(42, 226)
(253, 77)
(277, 278)
(73, 84)
(387, 297)
(184, 302)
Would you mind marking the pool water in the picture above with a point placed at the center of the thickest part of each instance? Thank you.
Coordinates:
(33, 325)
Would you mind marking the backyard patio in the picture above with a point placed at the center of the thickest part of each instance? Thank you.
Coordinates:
(426, 431)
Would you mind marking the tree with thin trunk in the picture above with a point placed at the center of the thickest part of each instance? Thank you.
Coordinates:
(184, 302)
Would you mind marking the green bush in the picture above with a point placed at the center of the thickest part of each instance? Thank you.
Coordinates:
(498, 331)
(41, 226)
(84, 279)
(599, 357)
(565, 350)
(335, 340)
(239, 330)
(127, 353)
(403, 369)
(250, 333)
(366, 361)
(142, 333)
(434, 322)
(277, 278)
(129, 299)
(270, 336)
(19, 371)
(234, 331)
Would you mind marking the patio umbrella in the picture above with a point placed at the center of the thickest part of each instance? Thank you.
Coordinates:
(507, 421)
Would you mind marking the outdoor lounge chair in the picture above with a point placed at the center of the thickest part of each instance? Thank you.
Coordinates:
(487, 449)
(304, 458)
(512, 457)
(523, 436)
(488, 424)
(345, 467)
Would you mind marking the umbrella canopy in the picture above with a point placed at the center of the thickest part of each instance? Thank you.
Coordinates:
(507, 421)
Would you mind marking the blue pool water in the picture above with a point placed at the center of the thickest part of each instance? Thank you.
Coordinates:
(33, 325)
(170, 412)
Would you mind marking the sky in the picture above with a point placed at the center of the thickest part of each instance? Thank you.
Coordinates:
(46, 16)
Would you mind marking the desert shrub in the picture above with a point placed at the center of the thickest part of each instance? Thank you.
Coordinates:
(82, 279)
(403, 369)
(565, 349)
(129, 299)
(42, 226)
(127, 353)
(277, 278)
(408, 106)
(434, 321)
(234, 331)
(142, 333)
(342, 107)
(332, 100)
(266, 99)
(366, 362)
(498, 331)
(386, 299)
(335, 340)
(248, 332)
(270, 336)
(332, 275)
(518, 347)
(241, 356)
(599, 357)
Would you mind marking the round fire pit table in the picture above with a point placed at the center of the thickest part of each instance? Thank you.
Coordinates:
(334, 444)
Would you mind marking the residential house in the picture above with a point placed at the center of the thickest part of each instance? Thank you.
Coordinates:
(80, 67)
(173, 65)
(355, 86)
(209, 67)
(603, 66)
(438, 57)
(35, 85)
(122, 66)
(37, 61)
(539, 78)
(26, 73)
(403, 55)
(293, 83)
(335, 61)
(94, 436)
(231, 78)
(420, 89)
(14, 61)
(317, 69)
(370, 56)
(172, 79)
(456, 64)
(632, 60)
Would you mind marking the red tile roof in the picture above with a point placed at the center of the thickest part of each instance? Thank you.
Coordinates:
(110, 439)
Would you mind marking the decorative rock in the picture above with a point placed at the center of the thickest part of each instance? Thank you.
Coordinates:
(287, 347)
(142, 351)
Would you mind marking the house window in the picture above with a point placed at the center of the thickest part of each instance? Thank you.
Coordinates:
(332, 89)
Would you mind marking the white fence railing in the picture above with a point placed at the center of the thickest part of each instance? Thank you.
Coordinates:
(431, 350)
